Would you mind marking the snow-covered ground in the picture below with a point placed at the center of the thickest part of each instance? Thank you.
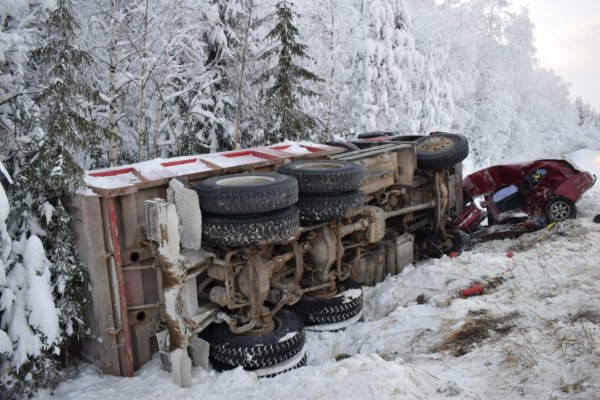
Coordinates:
(534, 334)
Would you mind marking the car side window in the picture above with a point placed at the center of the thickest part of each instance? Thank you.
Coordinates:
(504, 193)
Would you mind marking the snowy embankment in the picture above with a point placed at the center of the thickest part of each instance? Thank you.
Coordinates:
(534, 333)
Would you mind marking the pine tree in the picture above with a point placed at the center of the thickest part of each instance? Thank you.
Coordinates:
(286, 81)
(47, 173)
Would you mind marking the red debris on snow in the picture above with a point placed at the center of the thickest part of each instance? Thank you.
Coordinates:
(510, 254)
(453, 254)
(475, 290)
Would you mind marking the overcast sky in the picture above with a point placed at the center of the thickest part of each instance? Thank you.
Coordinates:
(567, 34)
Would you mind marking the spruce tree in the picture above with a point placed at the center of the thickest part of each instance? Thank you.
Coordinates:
(47, 174)
(68, 133)
(286, 81)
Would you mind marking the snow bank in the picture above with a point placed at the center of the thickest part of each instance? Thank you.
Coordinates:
(30, 316)
(43, 315)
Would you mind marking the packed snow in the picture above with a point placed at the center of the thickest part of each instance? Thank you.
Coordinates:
(533, 334)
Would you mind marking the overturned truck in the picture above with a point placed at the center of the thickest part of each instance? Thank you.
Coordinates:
(221, 260)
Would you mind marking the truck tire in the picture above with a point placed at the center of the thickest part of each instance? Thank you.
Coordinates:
(315, 208)
(441, 151)
(229, 350)
(227, 231)
(324, 176)
(219, 366)
(345, 305)
(346, 145)
(243, 194)
(371, 135)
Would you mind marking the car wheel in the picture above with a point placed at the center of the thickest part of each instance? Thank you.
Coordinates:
(227, 231)
(324, 176)
(346, 306)
(315, 208)
(243, 194)
(560, 209)
(441, 151)
(229, 350)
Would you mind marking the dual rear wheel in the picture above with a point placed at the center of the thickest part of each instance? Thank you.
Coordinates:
(248, 209)
(253, 209)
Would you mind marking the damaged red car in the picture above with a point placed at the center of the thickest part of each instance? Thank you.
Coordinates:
(519, 198)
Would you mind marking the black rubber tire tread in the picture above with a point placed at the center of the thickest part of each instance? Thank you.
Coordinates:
(568, 203)
(246, 199)
(346, 145)
(219, 366)
(371, 135)
(226, 231)
(302, 363)
(445, 158)
(317, 311)
(315, 208)
(229, 350)
(341, 176)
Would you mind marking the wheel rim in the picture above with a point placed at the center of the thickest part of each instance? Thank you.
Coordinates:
(259, 180)
(320, 166)
(272, 323)
(435, 143)
(560, 210)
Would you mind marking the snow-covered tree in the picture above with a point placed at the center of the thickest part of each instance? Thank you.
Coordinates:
(214, 116)
(6, 345)
(66, 132)
(384, 71)
(47, 171)
(587, 115)
(286, 81)
(329, 30)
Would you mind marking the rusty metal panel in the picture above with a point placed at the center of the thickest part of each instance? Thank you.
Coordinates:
(455, 193)
(151, 285)
(407, 163)
(143, 324)
(371, 267)
(88, 226)
(118, 299)
(131, 216)
(134, 287)
(380, 170)
(405, 245)
(129, 220)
